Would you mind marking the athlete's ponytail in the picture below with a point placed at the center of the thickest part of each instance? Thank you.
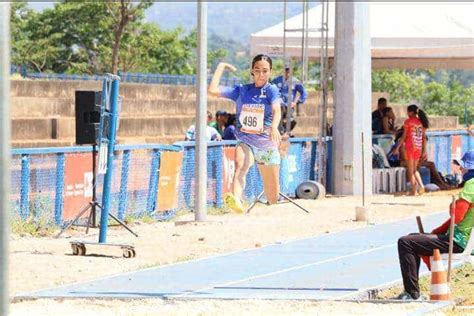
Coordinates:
(423, 118)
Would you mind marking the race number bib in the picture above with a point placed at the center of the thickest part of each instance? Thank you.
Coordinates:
(251, 118)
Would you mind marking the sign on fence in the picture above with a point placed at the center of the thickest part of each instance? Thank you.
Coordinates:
(456, 152)
(77, 184)
(168, 183)
(103, 152)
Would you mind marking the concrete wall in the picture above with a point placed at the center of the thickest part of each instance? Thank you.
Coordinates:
(43, 112)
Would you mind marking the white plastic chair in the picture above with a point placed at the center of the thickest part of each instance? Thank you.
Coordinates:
(464, 256)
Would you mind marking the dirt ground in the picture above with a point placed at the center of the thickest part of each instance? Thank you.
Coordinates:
(39, 263)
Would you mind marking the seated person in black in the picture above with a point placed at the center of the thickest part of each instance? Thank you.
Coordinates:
(377, 116)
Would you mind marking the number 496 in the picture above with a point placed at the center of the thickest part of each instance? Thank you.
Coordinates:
(250, 121)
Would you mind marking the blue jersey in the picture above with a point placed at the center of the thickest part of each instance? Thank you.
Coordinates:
(229, 133)
(282, 85)
(254, 114)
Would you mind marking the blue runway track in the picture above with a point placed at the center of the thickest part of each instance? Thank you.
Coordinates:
(332, 266)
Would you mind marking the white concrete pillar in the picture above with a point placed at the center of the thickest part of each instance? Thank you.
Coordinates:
(352, 115)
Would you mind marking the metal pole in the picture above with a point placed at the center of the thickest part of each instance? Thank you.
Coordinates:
(289, 110)
(304, 59)
(326, 71)
(306, 56)
(104, 214)
(94, 191)
(285, 11)
(363, 170)
(303, 25)
(4, 150)
(200, 190)
(322, 98)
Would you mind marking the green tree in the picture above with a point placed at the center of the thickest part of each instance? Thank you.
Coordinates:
(66, 38)
(401, 86)
(19, 17)
(149, 49)
(74, 36)
(98, 37)
(438, 92)
(25, 25)
(123, 14)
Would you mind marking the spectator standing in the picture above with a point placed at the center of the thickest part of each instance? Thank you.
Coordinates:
(399, 160)
(229, 132)
(298, 97)
(220, 122)
(414, 140)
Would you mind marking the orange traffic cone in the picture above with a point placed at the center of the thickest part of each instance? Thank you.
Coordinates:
(439, 280)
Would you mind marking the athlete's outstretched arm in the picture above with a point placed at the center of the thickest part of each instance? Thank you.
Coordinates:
(216, 78)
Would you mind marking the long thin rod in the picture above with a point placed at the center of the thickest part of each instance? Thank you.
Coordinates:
(293, 202)
(363, 170)
(107, 186)
(326, 77)
(285, 11)
(289, 110)
(303, 27)
(323, 97)
(451, 237)
(310, 30)
(4, 151)
(200, 202)
(306, 36)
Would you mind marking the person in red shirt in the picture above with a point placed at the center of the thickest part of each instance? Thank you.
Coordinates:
(414, 139)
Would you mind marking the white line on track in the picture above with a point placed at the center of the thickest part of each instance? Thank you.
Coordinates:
(285, 270)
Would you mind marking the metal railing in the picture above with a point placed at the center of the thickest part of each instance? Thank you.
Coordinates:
(125, 77)
(39, 176)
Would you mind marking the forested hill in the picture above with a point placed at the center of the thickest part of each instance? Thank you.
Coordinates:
(230, 20)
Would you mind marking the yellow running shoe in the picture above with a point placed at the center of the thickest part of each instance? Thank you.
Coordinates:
(233, 203)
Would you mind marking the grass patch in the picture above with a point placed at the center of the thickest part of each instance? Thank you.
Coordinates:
(218, 210)
(35, 227)
(210, 211)
(186, 258)
(463, 284)
(134, 218)
(462, 289)
(183, 212)
(38, 221)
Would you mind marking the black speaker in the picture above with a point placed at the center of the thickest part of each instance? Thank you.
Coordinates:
(88, 116)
